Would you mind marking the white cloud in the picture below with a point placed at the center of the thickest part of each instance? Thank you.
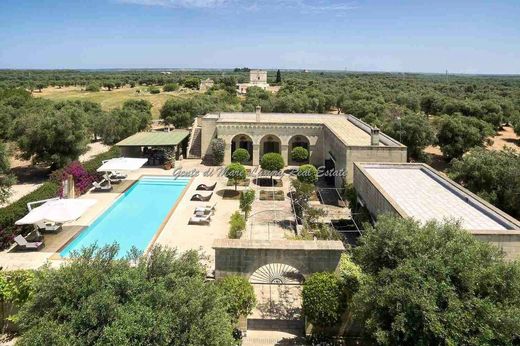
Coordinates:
(179, 3)
(253, 5)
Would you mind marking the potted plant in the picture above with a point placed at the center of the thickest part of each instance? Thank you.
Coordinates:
(169, 156)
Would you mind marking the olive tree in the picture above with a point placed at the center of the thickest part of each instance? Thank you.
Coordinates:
(414, 131)
(433, 284)
(6, 178)
(458, 134)
(52, 134)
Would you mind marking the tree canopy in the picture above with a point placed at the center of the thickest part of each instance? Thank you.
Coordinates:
(458, 134)
(53, 134)
(95, 299)
(435, 284)
(6, 179)
(414, 131)
(493, 175)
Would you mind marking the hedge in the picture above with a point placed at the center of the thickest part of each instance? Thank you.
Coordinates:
(18, 209)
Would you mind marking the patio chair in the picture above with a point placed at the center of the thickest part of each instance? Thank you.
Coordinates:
(200, 198)
(117, 175)
(208, 209)
(23, 244)
(204, 187)
(34, 236)
(100, 187)
(200, 219)
(48, 226)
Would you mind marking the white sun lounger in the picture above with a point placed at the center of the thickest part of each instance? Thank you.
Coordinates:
(206, 209)
(23, 244)
(102, 187)
(200, 219)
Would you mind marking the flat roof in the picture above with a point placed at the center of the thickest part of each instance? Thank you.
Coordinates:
(154, 139)
(424, 194)
(347, 128)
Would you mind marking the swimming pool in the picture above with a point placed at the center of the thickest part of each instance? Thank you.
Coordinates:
(134, 218)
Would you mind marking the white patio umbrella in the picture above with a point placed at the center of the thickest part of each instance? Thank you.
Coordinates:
(122, 164)
(57, 210)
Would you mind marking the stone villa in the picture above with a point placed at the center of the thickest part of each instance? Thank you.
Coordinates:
(333, 141)
(257, 78)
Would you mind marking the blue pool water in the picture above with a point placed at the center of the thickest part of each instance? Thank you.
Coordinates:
(134, 218)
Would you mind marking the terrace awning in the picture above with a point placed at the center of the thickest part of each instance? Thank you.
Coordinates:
(57, 210)
(155, 139)
(122, 164)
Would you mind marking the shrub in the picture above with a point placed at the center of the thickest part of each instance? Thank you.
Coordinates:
(299, 154)
(18, 209)
(247, 198)
(236, 173)
(241, 155)
(272, 162)
(92, 87)
(217, 148)
(157, 299)
(238, 294)
(237, 224)
(154, 90)
(6, 237)
(307, 174)
(16, 286)
(323, 299)
(191, 82)
(82, 179)
(171, 87)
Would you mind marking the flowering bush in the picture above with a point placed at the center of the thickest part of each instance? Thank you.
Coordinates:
(82, 179)
(6, 238)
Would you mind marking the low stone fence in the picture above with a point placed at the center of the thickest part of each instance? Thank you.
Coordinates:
(244, 257)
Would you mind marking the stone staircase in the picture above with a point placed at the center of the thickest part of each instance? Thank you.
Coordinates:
(194, 146)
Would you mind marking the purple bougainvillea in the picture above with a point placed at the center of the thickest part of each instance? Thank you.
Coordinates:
(82, 179)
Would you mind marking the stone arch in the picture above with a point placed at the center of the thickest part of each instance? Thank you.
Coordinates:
(244, 141)
(298, 141)
(270, 144)
(277, 273)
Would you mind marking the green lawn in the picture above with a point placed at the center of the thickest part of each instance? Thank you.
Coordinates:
(115, 98)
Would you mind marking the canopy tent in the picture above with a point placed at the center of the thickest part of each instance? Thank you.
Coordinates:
(56, 210)
(122, 164)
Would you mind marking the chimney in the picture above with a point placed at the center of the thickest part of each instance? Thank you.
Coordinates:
(257, 112)
(374, 136)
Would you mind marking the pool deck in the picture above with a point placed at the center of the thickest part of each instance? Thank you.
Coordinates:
(175, 231)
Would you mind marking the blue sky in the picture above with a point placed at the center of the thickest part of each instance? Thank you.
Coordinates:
(385, 35)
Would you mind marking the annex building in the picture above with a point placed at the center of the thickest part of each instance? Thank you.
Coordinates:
(333, 141)
(415, 190)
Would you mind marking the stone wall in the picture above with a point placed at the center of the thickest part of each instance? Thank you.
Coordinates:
(209, 131)
(372, 196)
(244, 257)
(373, 154)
